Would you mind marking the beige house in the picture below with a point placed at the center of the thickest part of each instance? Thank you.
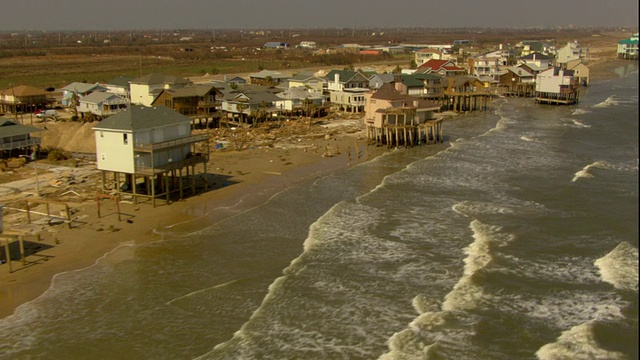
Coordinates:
(395, 118)
(580, 71)
(24, 99)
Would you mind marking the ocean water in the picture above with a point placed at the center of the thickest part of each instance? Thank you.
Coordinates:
(516, 239)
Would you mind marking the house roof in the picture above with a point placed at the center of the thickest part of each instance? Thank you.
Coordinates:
(98, 97)
(345, 75)
(237, 79)
(273, 74)
(434, 64)
(628, 42)
(140, 118)
(298, 92)
(429, 51)
(81, 88)
(411, 81)
(122, 81)
(388, 92)
(519, 71)
(537, 56)
(385, 78)
(155, 78)
(23, 90)
(457, 81)
(305, 76)
(194, 90)
(9, 128)
(256, 97)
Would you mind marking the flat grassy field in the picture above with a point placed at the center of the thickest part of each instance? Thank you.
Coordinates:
(57, 66)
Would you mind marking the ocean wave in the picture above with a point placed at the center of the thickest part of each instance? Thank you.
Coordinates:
(564, 269)
(562, 309)
(466, 294)
(478, 208)
(610, 101)
(620, 267)
(577, 343)
(585, 174)
(580, 112)
(577, 123)
(421, 338)
(526, 138)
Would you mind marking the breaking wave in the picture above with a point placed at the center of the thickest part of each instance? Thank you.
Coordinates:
(620, 267)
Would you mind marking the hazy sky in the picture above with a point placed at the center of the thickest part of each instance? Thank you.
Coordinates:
(283, 14)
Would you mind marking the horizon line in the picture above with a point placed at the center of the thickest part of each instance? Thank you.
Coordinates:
(542, 27)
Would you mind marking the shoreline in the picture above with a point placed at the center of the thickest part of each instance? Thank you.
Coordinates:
(257, 175)
(261, 174)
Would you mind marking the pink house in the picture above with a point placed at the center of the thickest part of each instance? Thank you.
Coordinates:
(393, 117)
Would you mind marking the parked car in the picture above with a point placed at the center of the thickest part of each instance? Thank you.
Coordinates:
(43, 114)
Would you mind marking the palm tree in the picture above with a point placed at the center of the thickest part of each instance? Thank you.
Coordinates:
(307, 103)
(240, 107)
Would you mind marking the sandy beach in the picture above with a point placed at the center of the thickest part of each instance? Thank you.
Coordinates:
(247, 178)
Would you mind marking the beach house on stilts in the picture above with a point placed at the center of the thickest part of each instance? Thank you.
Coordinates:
(150, 152)
(557, 86)
(393, 118)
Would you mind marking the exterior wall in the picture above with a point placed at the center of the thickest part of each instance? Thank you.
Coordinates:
(140, 94)
(347, 98)
(118, 90)
(113, 153)
(547, 82)
(314, 86)
(373, 105)
(105, 108)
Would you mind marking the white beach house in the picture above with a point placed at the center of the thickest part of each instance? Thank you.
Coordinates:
(151, 143)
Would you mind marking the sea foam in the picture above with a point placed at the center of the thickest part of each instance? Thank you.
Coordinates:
(620, 267)
(577, 343)
(585, 174)
(610, 101)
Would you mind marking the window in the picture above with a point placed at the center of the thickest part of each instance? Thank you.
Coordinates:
(125, 139)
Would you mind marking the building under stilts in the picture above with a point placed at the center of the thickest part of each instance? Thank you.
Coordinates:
(149, 153)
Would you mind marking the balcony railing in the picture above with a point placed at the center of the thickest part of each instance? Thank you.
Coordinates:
(20, 144)
(175, 165)
(171, 143)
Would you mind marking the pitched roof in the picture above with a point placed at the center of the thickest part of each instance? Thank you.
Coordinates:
(194, 90)
(345, 75)
(388, 92)
(537, 56)
(411, 81)
(519, 71)
(298, 92)
(9, 128)
(23, 90)
(272, 74)
(434, 64)
(122, 81)
(256, 97)
(98, 97)
(385, 78)
(80, 87)
(140, 118)
(304, 76)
